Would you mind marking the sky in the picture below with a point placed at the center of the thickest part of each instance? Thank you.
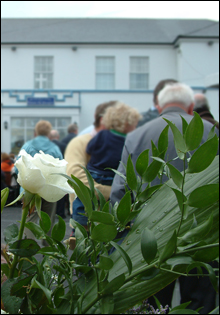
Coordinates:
(111, 9)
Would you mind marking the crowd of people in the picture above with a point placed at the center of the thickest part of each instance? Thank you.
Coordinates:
(119, 131)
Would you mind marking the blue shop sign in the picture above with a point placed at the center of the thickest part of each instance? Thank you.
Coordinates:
(40, 101)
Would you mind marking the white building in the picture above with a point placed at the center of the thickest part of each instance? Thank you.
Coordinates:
(61, 69)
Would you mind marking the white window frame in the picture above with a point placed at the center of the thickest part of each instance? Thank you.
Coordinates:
(139, 71)
(105, 72)
(43, 72)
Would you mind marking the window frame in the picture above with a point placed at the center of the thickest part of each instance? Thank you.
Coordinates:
(104, 73)
(145, 73)
(47, 62)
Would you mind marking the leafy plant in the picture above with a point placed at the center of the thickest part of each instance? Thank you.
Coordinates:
(174, 229)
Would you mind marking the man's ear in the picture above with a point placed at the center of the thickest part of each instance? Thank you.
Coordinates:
(190, 109)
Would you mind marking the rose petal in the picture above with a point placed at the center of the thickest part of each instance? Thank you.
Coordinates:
(53, 193)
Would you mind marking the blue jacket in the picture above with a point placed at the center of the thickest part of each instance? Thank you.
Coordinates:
(44, 144)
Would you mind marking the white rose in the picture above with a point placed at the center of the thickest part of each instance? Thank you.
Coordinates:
(35, 175)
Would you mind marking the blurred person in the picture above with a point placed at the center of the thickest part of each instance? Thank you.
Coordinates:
(106, 147)
(72, 133)
(42, 142)
(76, 156)
(7, 167)
(174, 101)
(153, 112)
(54, 136)
(203, 109)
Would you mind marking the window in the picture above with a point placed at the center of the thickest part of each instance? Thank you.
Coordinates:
(139, 73)
(105, 73)
(43, 72)
(22, 129)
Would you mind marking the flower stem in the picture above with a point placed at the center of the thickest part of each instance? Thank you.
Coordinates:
(20, 234)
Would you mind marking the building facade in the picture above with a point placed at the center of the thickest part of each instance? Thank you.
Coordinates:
(61, 69)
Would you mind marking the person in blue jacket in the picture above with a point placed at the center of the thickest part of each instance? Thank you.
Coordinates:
(42, 142)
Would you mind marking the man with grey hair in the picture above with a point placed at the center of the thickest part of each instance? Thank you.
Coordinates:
(203, 109)
(174, 100)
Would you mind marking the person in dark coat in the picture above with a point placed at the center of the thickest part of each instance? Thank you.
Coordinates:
(203, 109)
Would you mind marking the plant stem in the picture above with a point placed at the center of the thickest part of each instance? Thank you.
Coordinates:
(182, 212)
(197, 248)
(20, 234)
(184, 274)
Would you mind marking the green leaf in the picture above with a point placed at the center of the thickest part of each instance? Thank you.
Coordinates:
(11, 233)
(130, 175)
(107, 304)
(59, 230)
(154, 149)
(4, 197)
(215, 311)
(105, 263)
(176, 176)
(36, 284)
(184, 125)
(198, 232)
(28, 196)
(179, 260)
(181, 198)
(82, 192)
(148, 245)
(194, 132)
(163, 141)
(179, 141)
(212, 275)
(35, 229)
(26, 247)
(102, 200)
(151, 171)
(183, 311)
(104, 233)
(38, 204)
(75, 225)
(19, 289)
(204, 156)
(124, 208)
(90, 180)
(18, 198)
(204, 196)
(211, 132)
(148, 192)
(169, 248)
(114, 285)
(11, 303)
(102, 217)
(45, 222)
(206, 255)
(142, 162)
(194, 224)
(119, 174)
(124, 255)
(106, 207)
(181, 306)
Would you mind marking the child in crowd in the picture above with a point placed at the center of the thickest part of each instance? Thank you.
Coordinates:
(106, 147)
